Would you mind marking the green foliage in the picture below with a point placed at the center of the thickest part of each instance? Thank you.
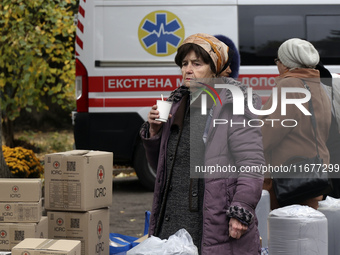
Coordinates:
(59, 143)
(49, 142)
(36, 54)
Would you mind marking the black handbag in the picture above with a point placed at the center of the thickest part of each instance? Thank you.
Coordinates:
(308, 177)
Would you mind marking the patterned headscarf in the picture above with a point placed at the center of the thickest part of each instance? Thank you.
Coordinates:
(216, 49)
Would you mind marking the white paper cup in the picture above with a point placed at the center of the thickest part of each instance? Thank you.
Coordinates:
(164, 109)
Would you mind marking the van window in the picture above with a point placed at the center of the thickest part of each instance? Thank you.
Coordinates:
(262, 29)
(324, 32)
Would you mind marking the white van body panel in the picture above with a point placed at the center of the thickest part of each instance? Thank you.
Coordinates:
(125, 54)
(286, 2)
(105, 41)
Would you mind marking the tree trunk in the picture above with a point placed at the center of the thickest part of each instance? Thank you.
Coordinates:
(4, 170)
(8, 132)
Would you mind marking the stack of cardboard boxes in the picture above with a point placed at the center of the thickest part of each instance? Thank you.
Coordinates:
(20, 211)
(78, 192)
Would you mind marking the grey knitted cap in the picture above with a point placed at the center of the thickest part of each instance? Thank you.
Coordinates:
(297, 53)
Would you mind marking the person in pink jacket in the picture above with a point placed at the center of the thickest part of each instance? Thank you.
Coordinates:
(217, 211)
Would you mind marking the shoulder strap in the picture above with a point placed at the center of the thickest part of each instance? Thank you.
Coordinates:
(312, 117)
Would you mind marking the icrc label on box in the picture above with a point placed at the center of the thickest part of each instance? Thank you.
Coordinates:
(78, 180)
(20, 211)
(20, 189)
(13, 233)
(91, 228)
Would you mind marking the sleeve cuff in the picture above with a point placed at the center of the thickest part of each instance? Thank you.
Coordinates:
(241, 214)
(144, 131)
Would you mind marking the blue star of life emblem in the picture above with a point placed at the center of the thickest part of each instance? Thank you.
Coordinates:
(161, 33)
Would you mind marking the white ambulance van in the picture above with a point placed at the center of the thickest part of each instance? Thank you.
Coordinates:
(125, 53)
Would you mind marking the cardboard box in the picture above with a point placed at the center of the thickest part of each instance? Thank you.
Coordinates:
(41, 246)
(20, 211)
(13, 233)
(78, 180)
(20, 189)
(92, 228)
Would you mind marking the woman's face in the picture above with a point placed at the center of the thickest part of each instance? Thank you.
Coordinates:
(194, 68)
(226, 72)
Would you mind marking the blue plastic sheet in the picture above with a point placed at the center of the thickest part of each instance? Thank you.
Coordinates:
(120, 244)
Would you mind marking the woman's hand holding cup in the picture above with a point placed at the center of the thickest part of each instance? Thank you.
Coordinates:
(155, 125)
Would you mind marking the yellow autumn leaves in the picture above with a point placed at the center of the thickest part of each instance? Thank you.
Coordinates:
(22, 162)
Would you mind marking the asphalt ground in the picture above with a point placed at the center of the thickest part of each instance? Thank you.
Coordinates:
(130, 200)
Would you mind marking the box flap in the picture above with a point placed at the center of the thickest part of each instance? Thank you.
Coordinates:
(63, 245)
(47, 244)
(30, 243)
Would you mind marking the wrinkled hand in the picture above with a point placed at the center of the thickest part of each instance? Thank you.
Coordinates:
(155, 125)
(236, 228)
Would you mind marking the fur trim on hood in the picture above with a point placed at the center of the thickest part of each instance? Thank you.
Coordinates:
(235, 57)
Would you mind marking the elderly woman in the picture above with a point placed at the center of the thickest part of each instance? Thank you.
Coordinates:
(296, 64)
(219, 213)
